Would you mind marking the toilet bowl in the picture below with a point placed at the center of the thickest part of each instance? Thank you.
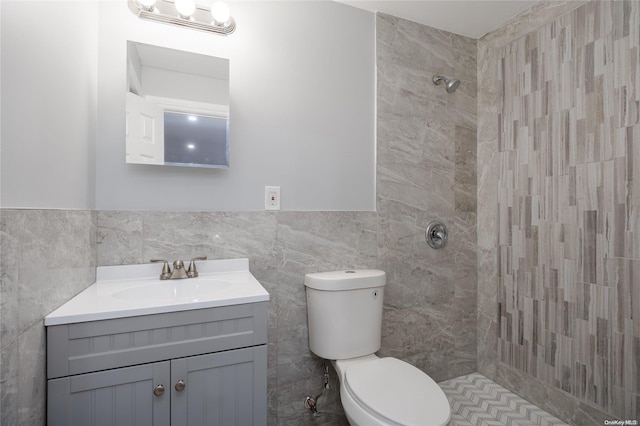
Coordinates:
(345, 323)
(387, 391)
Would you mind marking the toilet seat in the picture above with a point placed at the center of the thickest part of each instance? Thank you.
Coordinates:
(397, 393)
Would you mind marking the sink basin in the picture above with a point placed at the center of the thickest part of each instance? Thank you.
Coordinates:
(176, 290)
(133, 290)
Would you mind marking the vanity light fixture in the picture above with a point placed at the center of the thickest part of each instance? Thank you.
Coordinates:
(220, 13)
(185, 8)
(186, 13)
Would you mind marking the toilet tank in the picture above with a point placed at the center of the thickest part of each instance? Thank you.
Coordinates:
(344, 311)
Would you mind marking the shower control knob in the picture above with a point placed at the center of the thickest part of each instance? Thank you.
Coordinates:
(436, 234)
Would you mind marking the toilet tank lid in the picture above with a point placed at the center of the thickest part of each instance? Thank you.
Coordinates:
(346, 280)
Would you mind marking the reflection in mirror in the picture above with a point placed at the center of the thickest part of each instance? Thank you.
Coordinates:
(177, 108)
(191, 139)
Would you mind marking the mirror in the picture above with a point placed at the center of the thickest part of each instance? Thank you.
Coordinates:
(177, 108)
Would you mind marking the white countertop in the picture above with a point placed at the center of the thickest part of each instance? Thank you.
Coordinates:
(133, 290)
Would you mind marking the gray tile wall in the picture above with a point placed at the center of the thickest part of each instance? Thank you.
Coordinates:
(284, 246)
(426, 171)
(48, 256)
(558, 137)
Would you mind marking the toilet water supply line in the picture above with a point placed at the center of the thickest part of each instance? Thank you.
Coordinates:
(311, 403)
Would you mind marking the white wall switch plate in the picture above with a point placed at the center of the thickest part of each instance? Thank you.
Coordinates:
(272, 198)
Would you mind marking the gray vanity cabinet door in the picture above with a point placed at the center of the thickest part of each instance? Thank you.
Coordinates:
(119, 397)
(220, 389)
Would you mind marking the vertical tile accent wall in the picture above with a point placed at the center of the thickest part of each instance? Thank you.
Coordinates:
(568, 205)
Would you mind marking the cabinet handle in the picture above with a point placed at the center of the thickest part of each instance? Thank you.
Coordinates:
(180, 385)
(158, 390)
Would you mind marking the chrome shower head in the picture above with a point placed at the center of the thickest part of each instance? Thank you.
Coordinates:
(450, 84)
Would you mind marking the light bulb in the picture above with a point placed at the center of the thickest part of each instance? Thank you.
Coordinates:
(220, 13)
(185, 7)
(147, 4)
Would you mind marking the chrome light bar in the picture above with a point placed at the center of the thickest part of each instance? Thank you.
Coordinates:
(165, 11)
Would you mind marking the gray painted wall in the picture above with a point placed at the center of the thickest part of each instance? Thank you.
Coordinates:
(49, 95)
(302, 111)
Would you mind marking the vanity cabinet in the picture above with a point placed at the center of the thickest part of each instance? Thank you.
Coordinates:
(196, 367)
(123, 396)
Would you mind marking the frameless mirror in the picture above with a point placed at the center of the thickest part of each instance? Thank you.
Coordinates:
(177, 108)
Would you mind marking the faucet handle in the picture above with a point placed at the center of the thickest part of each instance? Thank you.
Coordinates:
(166, 269)
(192, 272)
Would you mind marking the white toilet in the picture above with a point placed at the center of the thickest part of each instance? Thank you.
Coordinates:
(345, 323)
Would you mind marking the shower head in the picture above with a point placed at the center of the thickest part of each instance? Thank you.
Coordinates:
(450, 84)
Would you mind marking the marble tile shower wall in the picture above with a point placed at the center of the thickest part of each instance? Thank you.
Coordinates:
(48, 256)
(568, 205)
(426, 170)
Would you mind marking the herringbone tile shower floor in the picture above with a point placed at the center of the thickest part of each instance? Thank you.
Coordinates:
(478, 401)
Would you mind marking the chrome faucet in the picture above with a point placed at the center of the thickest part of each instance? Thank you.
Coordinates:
(178, 269)
(192, 272)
